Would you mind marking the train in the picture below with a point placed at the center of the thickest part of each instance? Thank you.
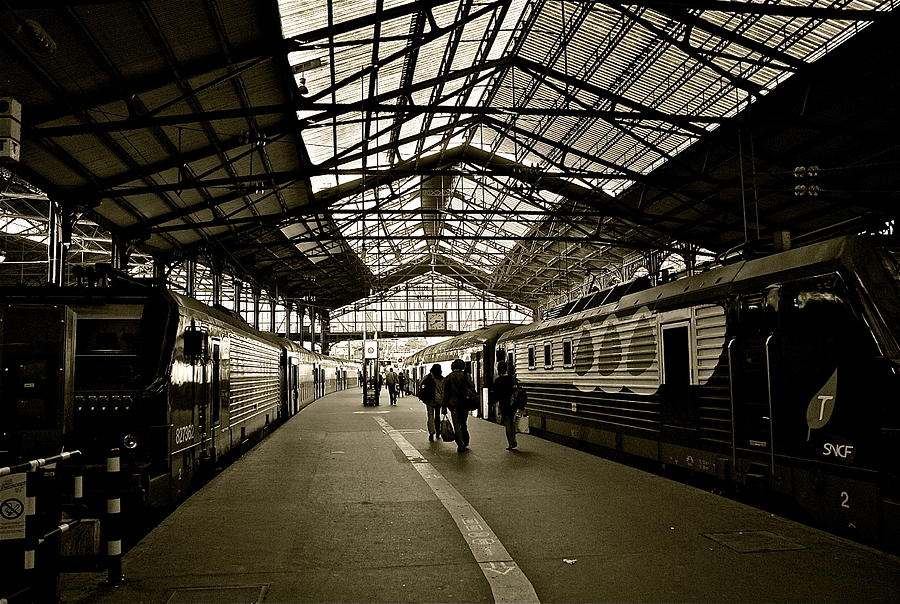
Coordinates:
(175, 385)
(773, 376)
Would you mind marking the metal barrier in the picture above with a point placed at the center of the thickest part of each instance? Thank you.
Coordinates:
(38, 573)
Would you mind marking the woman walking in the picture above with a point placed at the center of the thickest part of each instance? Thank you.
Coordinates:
(431, 392)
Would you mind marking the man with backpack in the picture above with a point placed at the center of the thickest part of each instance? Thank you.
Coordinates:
(392, 382)
(510, 396)
(460, 397)
(431, 392)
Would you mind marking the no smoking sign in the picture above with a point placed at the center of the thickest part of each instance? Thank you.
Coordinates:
(12, 507)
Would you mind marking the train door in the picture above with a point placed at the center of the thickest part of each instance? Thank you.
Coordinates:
(749, 362)
(36, 388)
(477, 369)
(215, 394)
(317, 378)
(678, 404)
(295, 385)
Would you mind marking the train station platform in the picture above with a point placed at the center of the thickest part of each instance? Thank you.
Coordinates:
(346, 503)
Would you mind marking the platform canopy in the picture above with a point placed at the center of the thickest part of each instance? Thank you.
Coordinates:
(333, 148)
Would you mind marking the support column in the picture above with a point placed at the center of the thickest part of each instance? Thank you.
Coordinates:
(191, 285)
(312, 329)
(216, 271)
(300, 312)
(288, 309)
(256, 295)
(238, 295)
(119, 253)
(159, 272)
(56, 250)
(272, 315)
(324, 325)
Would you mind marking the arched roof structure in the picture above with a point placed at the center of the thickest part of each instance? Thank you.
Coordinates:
(333, 148)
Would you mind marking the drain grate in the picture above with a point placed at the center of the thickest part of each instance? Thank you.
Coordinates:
(220, 594)
(750, 542)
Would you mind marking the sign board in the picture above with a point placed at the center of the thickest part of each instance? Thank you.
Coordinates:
(9, 149)
(12, 506)
(10, 128)
(370, 349)
(436, 320)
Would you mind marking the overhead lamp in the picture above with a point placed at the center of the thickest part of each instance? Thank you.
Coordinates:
(301, 86)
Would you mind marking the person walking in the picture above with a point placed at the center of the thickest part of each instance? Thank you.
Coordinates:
(379, 380)
(459, 391)
(407, 381)
(391, 380)
(431, 392)
(401, 383)
(502, 393)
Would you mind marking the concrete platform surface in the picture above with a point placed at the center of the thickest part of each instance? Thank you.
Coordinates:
(346, 503)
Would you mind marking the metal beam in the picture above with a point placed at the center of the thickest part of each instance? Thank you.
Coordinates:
(139, 122)
(650, 113)
(688, 18)
(431, 36)
(739, 82)
(351, 25)
(332, 109)
(753, 8)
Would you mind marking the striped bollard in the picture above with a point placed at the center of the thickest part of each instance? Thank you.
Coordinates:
(31, 532)
(113, 519)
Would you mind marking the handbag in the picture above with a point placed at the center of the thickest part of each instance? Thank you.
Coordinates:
(447, 432)
(522, 424)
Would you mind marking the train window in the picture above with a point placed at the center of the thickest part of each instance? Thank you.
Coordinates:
(567, 353)
(106, 354)
(532, 363)
(548, 355)
(676, 354)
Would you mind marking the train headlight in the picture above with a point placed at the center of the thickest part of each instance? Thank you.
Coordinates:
(130, 441)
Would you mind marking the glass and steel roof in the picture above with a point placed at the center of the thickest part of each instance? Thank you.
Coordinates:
(325, 149)
(416, 102)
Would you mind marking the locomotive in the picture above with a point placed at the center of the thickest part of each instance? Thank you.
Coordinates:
(174, 384)
(778, 375)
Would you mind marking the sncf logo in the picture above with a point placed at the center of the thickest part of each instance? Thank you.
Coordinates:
(842, 451)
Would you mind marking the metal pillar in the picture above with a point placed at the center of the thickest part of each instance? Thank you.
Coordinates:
(288, 309)
(256, 295)
(322, 333)
(238, 295)
(191, 285)
(272, 315)
(56, 249)
(119, 253)
(216, 283)
(159, 271)
(312, 329)
(300, 312)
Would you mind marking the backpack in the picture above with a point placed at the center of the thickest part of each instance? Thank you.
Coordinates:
(427, 390)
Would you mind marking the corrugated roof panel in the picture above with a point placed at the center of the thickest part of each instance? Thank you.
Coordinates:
(630, 51)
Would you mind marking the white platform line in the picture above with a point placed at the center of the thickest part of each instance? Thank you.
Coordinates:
(508, 582)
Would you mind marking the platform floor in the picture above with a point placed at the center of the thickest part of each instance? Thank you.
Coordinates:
(346, 503)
